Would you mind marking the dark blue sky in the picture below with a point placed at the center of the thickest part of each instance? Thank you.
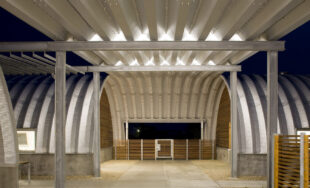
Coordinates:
(294, 60)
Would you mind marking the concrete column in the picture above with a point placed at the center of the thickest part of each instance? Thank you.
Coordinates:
(60, 117)
(272, 110)
(96, 81)
(126, 130)
(233, 117)
(201, 130)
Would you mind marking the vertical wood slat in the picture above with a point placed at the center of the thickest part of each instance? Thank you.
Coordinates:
(306, 161)
(276, 160)
(180, 149)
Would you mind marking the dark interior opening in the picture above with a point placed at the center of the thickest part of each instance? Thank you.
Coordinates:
(164, 130)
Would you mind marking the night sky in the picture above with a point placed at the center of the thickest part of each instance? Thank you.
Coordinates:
(295, 60)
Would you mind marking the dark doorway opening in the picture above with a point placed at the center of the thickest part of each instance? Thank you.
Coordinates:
(164, 130)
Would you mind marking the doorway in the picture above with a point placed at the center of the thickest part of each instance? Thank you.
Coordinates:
(164, 149)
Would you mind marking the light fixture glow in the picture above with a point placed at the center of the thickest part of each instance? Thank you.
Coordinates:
(119, 36)
(180, 62)
(187, 36)
(211, 62)
(195, 62)
(212, 37)
(150, 62)
(165, 37)
(165, 63)
(143, 36)
(95, 37)
(134, 63)
(119, 63)
(235, 37)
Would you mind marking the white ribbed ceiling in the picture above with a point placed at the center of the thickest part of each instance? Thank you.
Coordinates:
(157, 20)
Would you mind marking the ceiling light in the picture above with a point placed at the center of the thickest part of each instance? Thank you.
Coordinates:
(134, 63)
(211, 62)
(212, 37)
(195, 62)
(119, 63)
(95, 37)
(165, 63)
(179, 62)
(187, 36)
(165, 37)
(143, 36)
(150, 62)
(119, 37)
(235, 37)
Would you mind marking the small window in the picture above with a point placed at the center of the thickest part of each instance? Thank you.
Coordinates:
(305, 131)
(26, 139)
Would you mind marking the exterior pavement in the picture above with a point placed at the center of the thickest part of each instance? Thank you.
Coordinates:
(147, 174)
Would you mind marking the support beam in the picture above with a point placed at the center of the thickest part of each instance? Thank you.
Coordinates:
(222, 68)
(234, 131)
(142, 46)
(272, 110)
(96, 82)
(60, 112)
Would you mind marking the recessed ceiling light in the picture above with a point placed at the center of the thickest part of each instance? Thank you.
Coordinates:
(119, 63)
(236, 37)
(150, 62)
(213, 37)
(134, 63)
(187, 36)
(119, 37)
(195, 62)
(95, 37)
(211, 62)
(179, 62)
(143, 36)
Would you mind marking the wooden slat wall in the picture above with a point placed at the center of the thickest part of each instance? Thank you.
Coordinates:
(287, 161)
(121, 147)
(134, 149)
(193, 149)
(180, 149)
(121, 150)
(148, 149)
(206, 149)
(223, 122)
(307, 163)
(106, 132)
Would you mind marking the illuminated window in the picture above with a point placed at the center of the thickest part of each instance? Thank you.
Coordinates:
(26, 139)
(306, 131)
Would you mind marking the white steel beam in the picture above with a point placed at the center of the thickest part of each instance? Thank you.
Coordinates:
(60, 112)
(158, 68)
(272, 110)
(96, 82)
(234, 129)
(143, 45)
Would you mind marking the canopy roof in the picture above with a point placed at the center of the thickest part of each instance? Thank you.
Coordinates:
(162, 20)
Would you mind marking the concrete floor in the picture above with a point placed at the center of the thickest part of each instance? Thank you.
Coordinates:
(154, 174)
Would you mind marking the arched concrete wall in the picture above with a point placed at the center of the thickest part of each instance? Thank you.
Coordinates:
(294, 109)
(163, 96)
(33, 103)
(8, 145)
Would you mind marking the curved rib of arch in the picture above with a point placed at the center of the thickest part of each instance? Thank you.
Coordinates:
(36, 102)
(7, 125)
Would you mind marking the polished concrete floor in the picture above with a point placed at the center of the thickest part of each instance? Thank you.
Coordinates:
(155, 174)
